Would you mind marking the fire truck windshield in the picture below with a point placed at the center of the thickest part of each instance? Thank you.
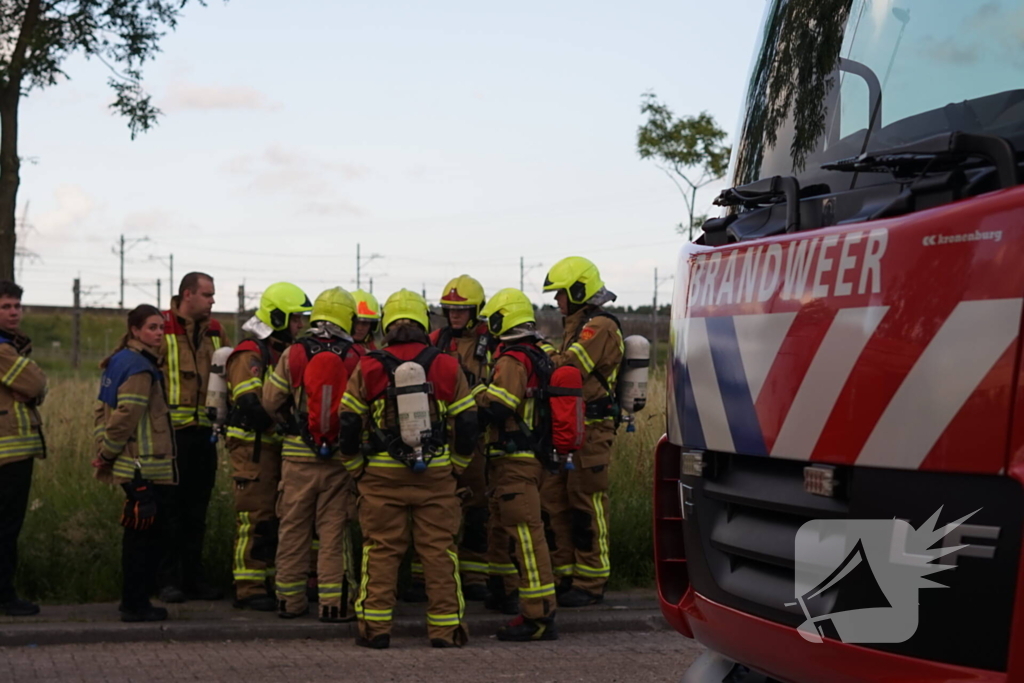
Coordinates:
(832, 79)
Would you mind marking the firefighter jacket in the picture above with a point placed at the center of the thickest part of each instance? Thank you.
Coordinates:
(282, 385)
(592, 342)
(22, 388)
(187, 350)
(365, 346)
(509, 395)
(246, 372)
(132, 420)
(471, 347)
(366, 407)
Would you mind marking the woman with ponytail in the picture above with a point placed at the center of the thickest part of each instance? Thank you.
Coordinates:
(135, 448)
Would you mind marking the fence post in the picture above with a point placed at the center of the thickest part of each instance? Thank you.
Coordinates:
(76, 325)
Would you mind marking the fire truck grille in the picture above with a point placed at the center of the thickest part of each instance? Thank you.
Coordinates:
(740, 544)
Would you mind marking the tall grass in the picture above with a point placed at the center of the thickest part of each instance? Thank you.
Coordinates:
(70, 547)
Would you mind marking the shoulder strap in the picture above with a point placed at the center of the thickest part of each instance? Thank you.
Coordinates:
(426, 357)
(542, 366)
(444, 338)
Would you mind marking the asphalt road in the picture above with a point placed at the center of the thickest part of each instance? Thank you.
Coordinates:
(591, 657)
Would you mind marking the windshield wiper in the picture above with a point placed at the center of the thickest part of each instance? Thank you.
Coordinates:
(939, 153)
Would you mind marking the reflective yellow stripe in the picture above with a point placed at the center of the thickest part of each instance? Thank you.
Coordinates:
(385, 460)
(250, 437)
(132, 399)
(528, 411)
(354, 464)
(458, 583)
(602, 531)
(156, 469)
(478, 389)
(297, 588)
(329, 590)
(144, 436)
(173, 371)
(546, 348)
(443, 619)
(376, 615)
(563, 570)
(251, 384)
(295, 447)
(583, 356)
(217, 341)
(459, 461)
(460, 406)
(354, 404)
(20, 364)
(509, 399)
(503, 454)
(416, 567)
(598, 572)
(24, 418)
(241, 572)
(502, 569)
(18, 446)
(539, 592)
(112, 446)
(467, 566)
(365, 579)
(529, 558)
(279, 382)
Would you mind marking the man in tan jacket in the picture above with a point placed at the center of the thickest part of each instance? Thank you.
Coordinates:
(191, 336)
(22, 388)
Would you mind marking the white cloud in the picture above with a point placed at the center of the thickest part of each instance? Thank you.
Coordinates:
(73, 207)
(182, 95)
(278, 169)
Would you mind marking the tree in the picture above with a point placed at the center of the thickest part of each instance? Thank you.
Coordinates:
(37, 36)
(687, 149)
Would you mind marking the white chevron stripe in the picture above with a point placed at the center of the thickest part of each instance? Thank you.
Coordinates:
(706, 393)
(962, 352)
(759, 337)
(843, 343)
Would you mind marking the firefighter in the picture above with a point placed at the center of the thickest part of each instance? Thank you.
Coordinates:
(135, 448)
(190, 338)
(367, 321)
(508, 407)
(576, 501)
(407, 479)
(22, 388)
(468, 342)
(254, 444)
(316, 488)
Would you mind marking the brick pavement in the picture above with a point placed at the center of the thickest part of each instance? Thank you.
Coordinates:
(590, 657)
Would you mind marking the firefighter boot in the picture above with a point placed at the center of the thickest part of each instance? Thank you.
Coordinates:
(524, 630)
(334, 615)
(260, 603)
(381, 641)
(498, 600)
(577, 597)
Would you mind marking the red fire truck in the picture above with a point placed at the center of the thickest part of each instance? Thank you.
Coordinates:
(847, 343)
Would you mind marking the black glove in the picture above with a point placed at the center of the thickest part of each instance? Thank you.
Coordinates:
(250, 415)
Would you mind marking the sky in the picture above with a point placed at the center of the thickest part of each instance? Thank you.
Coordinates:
(443, 138)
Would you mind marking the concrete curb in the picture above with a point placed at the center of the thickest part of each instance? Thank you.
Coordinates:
(246, 629)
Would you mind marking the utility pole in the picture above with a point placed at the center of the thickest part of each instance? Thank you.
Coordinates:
(76, 324)
(131, 242)
(360, 263)
(523, 270)
(158, 299)
(241, 312)
(169, 262)
(654, 317)
(371, 285)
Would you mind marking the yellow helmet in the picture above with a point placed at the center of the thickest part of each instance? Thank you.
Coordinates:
(279, 301)
(506, 309)
(463, 292)
(577, 276)
(336, 306)
(367, 307)
(406, 305)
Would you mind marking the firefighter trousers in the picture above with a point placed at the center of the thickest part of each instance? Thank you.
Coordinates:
(575, 504)
(516, 481)
(255, 517)
(499, 557)
(313, 495)
(397, 506)
(474, 540)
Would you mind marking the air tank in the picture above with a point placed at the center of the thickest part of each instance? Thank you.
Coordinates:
(633, 378)
(413, 409)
